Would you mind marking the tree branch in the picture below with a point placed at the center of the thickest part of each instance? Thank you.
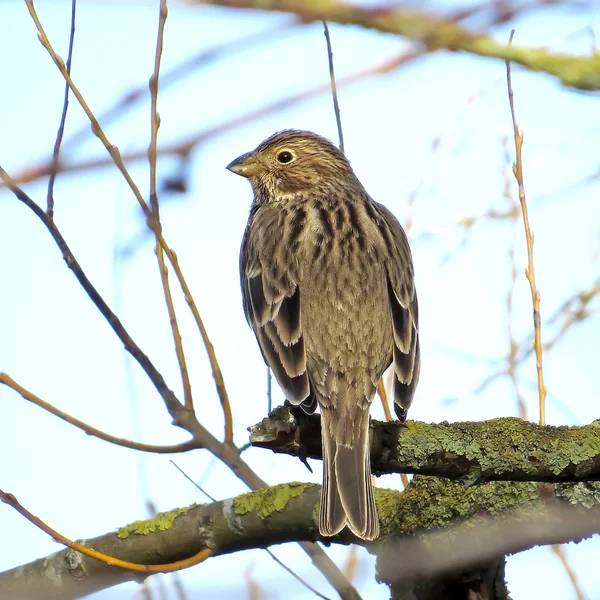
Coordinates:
(466, 525)
(506, 449)
(435, 33)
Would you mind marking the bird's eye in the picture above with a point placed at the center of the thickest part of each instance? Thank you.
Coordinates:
(285, 157)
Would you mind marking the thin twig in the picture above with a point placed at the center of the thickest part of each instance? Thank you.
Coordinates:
(161, 588)
(388, 417)
(269, 390)
(574, 310)
(186, 68)
(143, 590)
(195, 484)
(171, 401)
(210, 350)
(336, 105)
(384, 400)
(156, 227)
(560, 553)
(351, 563)
(164, 277)
(171, 255)
(530, 271)
(212, 499)
(63, 118)
(185, 146)
(109, 560)
(513, 347)
(178, 585)
(487, 16)
(90, 430)
(296, 576)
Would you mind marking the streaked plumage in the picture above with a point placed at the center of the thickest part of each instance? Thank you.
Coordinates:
(327, 284)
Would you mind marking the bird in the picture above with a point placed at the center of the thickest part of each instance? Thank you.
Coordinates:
(328, 288)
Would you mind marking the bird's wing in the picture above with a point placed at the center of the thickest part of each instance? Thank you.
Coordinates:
(272, 306)
(405, 312)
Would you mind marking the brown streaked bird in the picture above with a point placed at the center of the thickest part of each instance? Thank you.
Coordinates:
(328, 288)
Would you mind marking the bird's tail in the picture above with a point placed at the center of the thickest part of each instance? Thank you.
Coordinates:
(347, 494)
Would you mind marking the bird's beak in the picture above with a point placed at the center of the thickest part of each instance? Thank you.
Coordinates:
(245, 165)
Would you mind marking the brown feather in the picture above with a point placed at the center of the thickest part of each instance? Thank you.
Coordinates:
(327, 284)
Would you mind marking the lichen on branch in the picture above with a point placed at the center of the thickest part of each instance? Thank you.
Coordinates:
(505, 449)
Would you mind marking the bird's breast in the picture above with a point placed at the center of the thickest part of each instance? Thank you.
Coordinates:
(343, 289)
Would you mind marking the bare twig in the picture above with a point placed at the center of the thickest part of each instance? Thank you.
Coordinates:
(156, 226)
(171, 255)
(184, 69)
(384, 401)
(178, 585)
(109, 560)
(513, 346)
(388, 416)
(269, 390)
(155, 377)
(63, 118)
(185, 146)
(530, 271)
(195, 484)
(351, 563)
(560, 553)
(212, 357)
(296, 576)
(513, 360)
(279, 562)
(487, 15)
(573, 311)
(107, 437)
(336, 104)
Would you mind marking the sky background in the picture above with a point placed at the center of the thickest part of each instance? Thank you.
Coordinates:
(437, 126)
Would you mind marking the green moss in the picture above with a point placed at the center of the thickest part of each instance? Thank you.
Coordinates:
(431, 502)
(500, 445)
(160, 522)
(266, 501)
(586, 494)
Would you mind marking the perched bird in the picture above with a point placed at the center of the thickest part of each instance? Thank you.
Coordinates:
(327, 283)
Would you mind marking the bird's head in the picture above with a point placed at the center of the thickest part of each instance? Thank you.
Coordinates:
(290, 162)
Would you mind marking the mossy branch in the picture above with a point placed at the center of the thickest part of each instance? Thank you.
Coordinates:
(506, 449)
(435, 33)
(458, 525)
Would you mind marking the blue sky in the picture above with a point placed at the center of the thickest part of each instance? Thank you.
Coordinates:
(57, 345)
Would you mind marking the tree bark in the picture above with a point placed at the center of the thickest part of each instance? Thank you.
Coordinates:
(505, 449)
(435, 529)
(444, 534)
